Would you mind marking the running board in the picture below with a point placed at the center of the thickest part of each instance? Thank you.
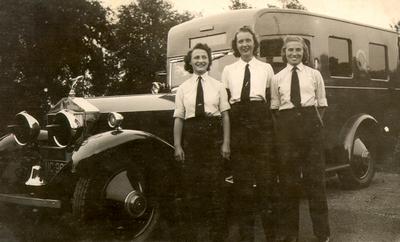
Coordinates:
(336, 168)
(25, 199)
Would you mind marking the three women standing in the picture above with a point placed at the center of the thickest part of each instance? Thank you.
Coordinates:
(298, 101)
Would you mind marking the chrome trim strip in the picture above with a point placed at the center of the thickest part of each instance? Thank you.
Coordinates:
(24, 199)
(343, 77)
(358, 88)
(380, 80)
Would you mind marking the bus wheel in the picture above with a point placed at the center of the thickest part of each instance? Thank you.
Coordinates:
(113, 205)
(362, 160)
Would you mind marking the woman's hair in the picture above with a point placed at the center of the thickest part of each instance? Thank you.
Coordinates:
(247, 29)
(188, 56)
(293, 38)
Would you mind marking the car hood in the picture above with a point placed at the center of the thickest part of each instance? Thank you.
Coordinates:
(133, 103)
(126, 103)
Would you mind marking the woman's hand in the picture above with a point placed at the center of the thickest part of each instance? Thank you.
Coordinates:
(226, 151)
(179, 154)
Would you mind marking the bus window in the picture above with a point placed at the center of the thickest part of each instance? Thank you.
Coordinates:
(179, 75)
(377, 61)
(211, 41)
(271, 50)
(219, 62)
(177, 72)
(339, 57)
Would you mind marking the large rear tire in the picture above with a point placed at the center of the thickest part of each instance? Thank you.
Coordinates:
(362, 160)
(113, 205)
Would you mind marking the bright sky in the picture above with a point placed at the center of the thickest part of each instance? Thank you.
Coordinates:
(380, 13)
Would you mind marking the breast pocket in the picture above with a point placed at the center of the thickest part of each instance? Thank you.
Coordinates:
(283, 90)
(189, 102)
(212, 100)
(309, 85)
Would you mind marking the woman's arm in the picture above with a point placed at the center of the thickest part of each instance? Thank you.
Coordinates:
(226, 145)
(178, 126)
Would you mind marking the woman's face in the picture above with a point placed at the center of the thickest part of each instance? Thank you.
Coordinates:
(245, 45)
(294, 52)
(199, 61)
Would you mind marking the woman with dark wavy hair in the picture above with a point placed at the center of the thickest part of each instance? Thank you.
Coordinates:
(202, 142)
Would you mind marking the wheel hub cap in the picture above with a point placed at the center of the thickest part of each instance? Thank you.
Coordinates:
(135, 204)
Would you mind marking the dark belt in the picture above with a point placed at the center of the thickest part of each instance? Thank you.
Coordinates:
(305, 112)
(247, 103)
(205, 121)
(301, 109)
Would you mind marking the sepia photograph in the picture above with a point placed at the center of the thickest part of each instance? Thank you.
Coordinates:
(200, 120)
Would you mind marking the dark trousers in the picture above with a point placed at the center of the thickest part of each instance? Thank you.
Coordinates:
(251, 162)
(203, 188)
(300, 151)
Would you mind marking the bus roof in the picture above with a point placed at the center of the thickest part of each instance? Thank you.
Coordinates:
(218, 30)
(213, 25)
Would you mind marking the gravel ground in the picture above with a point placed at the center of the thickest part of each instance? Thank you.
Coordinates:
(367, 215)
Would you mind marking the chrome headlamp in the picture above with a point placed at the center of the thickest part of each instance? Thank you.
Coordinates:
(115, 120)
(66, 128)
(26, 128)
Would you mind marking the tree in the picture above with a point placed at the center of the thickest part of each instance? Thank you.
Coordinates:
(293, 4)
(271, 5)
(45, 42)
(396, 26)
(141, 34)
(239, 4)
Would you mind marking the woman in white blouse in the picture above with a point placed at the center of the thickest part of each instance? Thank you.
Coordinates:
(202, 140)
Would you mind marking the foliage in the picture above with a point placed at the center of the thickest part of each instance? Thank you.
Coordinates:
(45, 42)
(141, 34)
(239, 4)
(271, 5)
(293, 4)
(396, 26)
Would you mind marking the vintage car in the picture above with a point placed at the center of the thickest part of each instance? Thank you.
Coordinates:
(83, 161)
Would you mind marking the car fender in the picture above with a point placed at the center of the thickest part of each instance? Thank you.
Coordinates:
(8, 143)
(102, 142)
(349, 130)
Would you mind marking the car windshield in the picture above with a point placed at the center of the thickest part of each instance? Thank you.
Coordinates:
(179, 75)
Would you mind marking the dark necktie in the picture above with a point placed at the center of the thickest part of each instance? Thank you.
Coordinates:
(295, 97)
(199, 110)
(245, 95)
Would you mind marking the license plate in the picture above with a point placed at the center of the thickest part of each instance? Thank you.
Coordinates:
(53, 166)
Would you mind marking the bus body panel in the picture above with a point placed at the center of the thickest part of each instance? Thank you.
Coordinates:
(350, 95)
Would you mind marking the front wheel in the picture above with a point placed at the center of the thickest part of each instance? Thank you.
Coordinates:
(114, 205)
(362, 161)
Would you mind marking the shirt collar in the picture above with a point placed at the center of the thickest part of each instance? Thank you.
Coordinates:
(203, 77)
(243, 63)
(300, 66)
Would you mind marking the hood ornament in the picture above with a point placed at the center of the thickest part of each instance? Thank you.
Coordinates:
(75, 81)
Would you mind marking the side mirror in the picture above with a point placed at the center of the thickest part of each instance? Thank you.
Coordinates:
(160, 85)
(157, 87)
